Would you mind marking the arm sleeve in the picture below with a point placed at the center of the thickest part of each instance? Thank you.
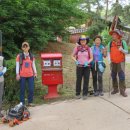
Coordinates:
(4, 70)
(17, 67)
(34, 67)
(125, 49)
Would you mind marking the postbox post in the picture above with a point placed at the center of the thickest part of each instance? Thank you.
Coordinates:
(52, 73)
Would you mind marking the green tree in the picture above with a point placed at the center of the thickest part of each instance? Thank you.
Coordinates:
(35, 21)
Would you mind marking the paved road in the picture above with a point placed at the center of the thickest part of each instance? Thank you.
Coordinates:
(95, 113)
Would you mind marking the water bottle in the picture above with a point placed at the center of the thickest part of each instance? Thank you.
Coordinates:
(17, 107)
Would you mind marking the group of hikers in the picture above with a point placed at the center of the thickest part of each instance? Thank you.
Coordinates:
(25, 71)
(90, 59)
(86, 58)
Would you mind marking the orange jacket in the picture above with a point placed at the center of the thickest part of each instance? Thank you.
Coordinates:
(116, 55)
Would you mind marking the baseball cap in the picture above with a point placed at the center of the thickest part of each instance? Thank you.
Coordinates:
(25, 43)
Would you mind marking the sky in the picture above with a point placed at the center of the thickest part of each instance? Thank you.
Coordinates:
(122, 2)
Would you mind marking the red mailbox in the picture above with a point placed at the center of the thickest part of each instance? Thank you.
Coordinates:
(52, 73)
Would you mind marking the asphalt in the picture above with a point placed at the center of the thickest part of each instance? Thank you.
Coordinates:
(110, 112)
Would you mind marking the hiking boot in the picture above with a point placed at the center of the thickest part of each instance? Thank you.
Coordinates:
(91, 93)
(101, 93)
(122, 92)
(84, 97)
(78, 97)
(96, 93)
(31, 105)
(114, 92)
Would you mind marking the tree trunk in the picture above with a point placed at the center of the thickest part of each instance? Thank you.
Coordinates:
(106, 10)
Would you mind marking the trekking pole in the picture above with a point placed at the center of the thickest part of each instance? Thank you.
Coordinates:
(110, 80)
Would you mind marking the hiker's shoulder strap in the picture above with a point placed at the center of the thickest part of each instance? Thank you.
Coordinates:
(102, 46)
(88, 49)
(77, 48)
(31, 56)
(21, 57)
(92, 47)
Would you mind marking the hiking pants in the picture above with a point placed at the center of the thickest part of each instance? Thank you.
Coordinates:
(97, 78)
(118, 68)
(1, 93)
(85, 73)
(30, 81)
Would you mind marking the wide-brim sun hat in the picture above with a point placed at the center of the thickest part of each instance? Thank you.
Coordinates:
(83, 37)
(119, 32)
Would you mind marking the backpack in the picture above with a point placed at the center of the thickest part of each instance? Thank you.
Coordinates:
(86, 48)
(18, 113)
(122, 44)
(22, 57)
(100, 49)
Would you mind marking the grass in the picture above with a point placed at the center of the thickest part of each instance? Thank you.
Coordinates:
(69, 73)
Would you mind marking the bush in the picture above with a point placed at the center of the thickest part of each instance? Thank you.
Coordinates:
(106, 37)
(11, 85)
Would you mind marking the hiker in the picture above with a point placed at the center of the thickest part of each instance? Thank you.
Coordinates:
(2, 72)
(97, 65)
(117, 49)
(26, 71)
(82, 55)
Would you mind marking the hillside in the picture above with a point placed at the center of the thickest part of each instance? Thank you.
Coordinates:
(69, 73)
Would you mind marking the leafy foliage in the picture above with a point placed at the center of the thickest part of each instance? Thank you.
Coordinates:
(35, 21)
(11, 85)
(125, 15)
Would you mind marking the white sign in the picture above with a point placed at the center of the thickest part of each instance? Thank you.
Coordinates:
(46, 63)
(56, 63)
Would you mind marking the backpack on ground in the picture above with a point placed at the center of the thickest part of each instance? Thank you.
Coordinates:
(16, 114)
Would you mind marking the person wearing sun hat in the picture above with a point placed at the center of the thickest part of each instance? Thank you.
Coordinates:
(117, 49)
(82, 55)
(26, 71)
